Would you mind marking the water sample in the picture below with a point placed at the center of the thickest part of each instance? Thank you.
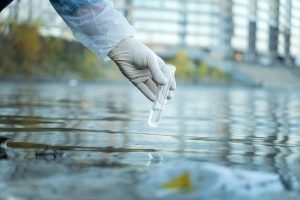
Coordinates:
(163, 91)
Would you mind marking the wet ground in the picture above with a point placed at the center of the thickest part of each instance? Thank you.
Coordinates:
(54, 135)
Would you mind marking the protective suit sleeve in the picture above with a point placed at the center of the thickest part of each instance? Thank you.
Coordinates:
(95, 23)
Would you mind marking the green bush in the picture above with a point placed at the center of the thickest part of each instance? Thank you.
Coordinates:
(25, 53)
(203, 70)
(184, 65)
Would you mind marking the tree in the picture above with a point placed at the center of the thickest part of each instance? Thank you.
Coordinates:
(184, 65)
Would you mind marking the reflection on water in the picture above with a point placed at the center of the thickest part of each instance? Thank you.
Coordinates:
(250, 128)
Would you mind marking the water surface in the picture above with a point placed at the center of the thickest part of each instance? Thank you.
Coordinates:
(250, 128)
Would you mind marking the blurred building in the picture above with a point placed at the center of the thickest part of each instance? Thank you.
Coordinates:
(266, 31)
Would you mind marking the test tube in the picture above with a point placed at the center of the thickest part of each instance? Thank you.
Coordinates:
(161, 100)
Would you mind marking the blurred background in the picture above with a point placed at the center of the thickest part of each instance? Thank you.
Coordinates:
(233, 58)
(221, 40)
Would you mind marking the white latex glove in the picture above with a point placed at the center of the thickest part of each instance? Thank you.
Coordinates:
(141, 66)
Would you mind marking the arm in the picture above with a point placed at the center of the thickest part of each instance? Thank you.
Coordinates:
(101, 28)
(95, 23)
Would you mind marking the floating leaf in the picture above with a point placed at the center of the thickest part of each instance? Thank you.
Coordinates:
(180, 183)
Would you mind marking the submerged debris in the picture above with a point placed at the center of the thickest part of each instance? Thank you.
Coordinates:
(200, 180)
(49, 153)
(3, 153)
(155, 158)
(3, 141)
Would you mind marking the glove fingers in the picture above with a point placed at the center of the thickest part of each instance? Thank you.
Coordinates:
(173, 85)
(142, 78)
(156, 72)
(152, 86)
(146, 91)
(170, 95)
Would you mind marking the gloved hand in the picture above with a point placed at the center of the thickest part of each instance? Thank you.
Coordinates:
(141, 66)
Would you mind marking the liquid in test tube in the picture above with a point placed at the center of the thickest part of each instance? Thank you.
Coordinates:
(163, 91)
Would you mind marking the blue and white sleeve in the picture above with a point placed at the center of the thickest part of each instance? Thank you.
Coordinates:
(95, 23)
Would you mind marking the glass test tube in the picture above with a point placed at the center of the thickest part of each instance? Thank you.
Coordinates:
(163, 91)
